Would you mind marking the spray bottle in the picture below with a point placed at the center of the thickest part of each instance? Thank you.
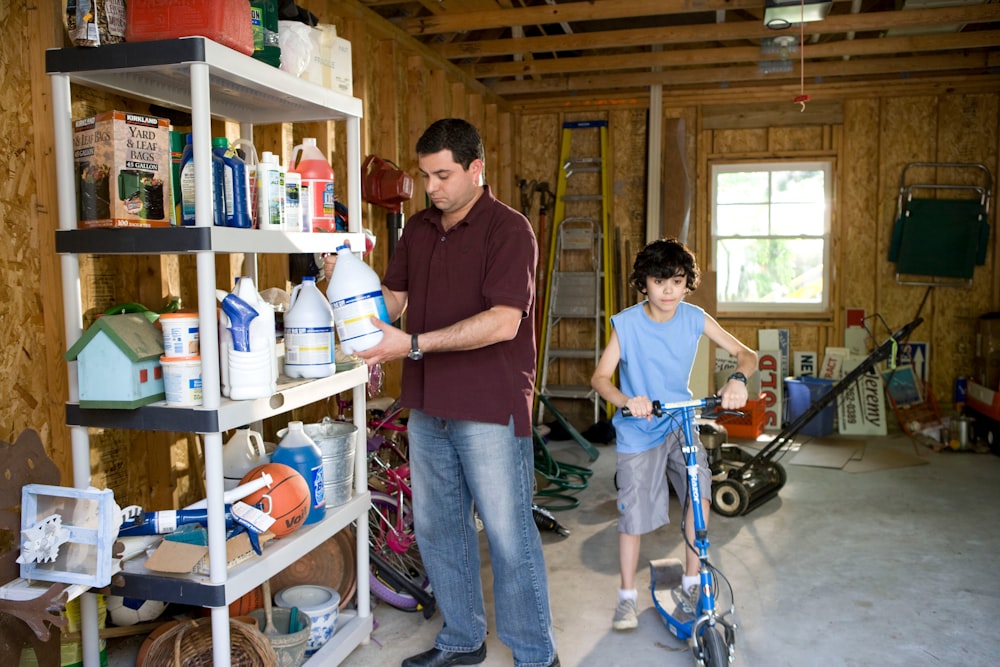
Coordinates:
(248, 359)
(318, 201)
(355, 293)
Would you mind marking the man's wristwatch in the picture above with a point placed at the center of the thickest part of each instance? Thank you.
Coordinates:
(735, 376)
(415, 352)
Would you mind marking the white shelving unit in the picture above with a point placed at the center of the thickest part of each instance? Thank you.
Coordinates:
(210, 80)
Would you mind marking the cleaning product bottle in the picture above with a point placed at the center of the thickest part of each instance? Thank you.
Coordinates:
(236, 184)
(270, 193)
(264, 20)
(293, 202)
(318, 207)
(355, 292)
(297, 450)
(309, 341)
(187, 187)
(247, 354)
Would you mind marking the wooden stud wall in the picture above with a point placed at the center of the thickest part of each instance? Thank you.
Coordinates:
(404, 87)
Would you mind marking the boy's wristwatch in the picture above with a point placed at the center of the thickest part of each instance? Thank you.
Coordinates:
(738, 376)
(415, 352)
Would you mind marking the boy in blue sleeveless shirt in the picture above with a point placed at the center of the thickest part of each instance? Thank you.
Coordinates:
(653, 346)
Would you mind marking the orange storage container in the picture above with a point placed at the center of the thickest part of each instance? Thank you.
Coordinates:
(750, 425)
(223, 21)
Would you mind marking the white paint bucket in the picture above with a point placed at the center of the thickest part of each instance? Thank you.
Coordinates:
(180, 335)
(182, 380)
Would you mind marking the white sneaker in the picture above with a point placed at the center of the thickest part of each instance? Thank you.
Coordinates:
(687, 600)
(626, 615)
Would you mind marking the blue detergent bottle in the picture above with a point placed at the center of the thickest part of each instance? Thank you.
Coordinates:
(297, 450)
(236, 184)
(187, 187)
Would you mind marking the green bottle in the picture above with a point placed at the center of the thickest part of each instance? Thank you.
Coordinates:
(264, 18)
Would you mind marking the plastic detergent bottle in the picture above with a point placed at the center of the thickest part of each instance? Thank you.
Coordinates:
(318, 202)
(236, 184)
(242, 453)
(270, 193)
(264, 19)
(247, 354)
(355, 292)
(297, 450)
(293, 202)
(309, 342)
(187, 187)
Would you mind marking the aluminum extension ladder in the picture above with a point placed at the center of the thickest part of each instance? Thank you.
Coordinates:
(577, 288)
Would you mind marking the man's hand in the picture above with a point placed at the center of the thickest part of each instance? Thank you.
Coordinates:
(395, 344)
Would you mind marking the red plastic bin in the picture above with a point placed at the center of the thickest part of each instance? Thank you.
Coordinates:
(224, 21)
(750, 425)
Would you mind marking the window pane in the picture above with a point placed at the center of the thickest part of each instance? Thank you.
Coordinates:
(797, 219)
(741, 220)
(770, 270)
(797, 186)
(741, 187)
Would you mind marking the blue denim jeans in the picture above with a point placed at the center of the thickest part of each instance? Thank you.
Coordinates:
(456, 465)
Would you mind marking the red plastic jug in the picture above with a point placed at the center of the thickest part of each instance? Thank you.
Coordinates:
(317, 194)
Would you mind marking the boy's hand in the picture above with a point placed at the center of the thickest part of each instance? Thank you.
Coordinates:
(734, 395)
(640, 406)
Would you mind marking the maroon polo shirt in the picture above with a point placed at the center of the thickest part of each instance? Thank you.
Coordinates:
(487, 259)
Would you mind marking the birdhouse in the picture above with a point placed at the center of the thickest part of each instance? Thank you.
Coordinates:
(118, 362)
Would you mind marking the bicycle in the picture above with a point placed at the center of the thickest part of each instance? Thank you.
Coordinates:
(710, 634)
(397, 574)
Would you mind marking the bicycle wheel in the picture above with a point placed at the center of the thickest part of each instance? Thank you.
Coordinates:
(390, 535)
(713, 648)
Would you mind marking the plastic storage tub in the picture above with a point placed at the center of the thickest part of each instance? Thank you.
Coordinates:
(223, 21)
(802, 392)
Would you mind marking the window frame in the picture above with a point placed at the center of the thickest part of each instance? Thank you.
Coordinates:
(799, 163)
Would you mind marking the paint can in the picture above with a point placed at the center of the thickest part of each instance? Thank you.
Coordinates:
(180, 335)
(182, 380)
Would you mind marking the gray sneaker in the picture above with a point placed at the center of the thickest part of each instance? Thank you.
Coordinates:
(687, 600)
(626, 617)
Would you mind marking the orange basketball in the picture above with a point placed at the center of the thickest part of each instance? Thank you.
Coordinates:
(242, 606)
(287, 500)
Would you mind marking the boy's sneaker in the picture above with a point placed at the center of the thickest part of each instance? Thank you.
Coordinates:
(626, 617)
(687, 600)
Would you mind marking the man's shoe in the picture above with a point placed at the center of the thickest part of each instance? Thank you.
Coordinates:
(438, 658)
(555, 662)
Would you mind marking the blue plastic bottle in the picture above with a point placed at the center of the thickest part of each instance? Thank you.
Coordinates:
(236, 184)
(297, 450)
(187, 187)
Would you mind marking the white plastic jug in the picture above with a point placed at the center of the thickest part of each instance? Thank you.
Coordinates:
(251, 373)
(242, 453)
(355, 292)
(309, 341)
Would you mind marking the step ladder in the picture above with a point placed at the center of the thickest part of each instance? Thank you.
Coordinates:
(575, 322)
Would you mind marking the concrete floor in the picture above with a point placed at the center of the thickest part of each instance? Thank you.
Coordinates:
(889, 567)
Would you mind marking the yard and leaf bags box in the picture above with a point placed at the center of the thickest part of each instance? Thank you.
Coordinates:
(122, 170)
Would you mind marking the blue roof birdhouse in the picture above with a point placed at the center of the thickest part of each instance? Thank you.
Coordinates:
(118, 362)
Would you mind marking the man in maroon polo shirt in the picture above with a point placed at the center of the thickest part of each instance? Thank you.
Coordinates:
(464, 273)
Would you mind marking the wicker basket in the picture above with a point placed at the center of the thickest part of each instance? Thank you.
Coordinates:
(189, 644)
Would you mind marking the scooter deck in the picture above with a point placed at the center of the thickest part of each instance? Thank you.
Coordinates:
(665, 575)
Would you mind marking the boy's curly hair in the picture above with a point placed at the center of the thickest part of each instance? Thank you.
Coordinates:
(665, 258)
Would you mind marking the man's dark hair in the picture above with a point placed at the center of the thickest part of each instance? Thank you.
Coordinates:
(665, 258)
(454, 134)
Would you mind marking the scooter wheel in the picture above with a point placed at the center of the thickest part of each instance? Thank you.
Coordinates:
(730, 497)
(713, 649)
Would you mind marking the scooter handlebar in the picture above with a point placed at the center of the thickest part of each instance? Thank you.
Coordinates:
(660, 409)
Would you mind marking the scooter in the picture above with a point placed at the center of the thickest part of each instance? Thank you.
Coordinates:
(711, 633)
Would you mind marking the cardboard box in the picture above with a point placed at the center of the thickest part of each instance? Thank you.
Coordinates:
(122, 170)
(183, 557)
(330, 65)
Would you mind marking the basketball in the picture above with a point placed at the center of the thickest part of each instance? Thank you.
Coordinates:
(287, 500)
(243, 605)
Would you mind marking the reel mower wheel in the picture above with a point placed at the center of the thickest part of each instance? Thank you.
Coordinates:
(730, 497)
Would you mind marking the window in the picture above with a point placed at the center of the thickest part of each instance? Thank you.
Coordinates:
(771, 235)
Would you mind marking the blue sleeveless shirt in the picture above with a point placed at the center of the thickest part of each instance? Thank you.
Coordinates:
(656, 360)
